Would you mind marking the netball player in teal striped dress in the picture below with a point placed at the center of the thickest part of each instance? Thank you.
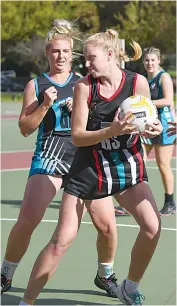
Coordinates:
(161, 88)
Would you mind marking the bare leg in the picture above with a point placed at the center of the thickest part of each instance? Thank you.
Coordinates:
(139, 201)
(46, 264)
(147, 149)
(103, 217)
(40, 190)
(163, 158)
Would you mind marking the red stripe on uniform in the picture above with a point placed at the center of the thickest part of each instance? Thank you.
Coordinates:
(134, 83)
(100, 177)
(138, 155)
(90, 90)
(117, 91)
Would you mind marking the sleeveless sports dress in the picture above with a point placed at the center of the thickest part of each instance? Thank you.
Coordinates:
(54, 151)
(114, 164)
(164, 113)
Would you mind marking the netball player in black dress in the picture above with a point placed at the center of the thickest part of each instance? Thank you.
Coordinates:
(109, 161)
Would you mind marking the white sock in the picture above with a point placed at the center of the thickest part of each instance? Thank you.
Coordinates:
(105, 269)
(23, 303)
(8, 268)
(131, 286)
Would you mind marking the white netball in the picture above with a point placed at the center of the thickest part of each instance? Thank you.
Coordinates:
(143, 108)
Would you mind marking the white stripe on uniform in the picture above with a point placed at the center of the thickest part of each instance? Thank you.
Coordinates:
(132, 165)
(107, 172)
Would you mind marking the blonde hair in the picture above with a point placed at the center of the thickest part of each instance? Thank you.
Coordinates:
(110, 39)
(63, 29)
(151, 50)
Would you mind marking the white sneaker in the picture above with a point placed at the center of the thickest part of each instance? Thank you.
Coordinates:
(129, 299)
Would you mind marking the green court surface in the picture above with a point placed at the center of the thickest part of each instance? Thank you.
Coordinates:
(73, 283)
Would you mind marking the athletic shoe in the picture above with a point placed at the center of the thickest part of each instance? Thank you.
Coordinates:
(108, 284)
(5, 284)
(120, 211)
(129, 299)
(168, 209)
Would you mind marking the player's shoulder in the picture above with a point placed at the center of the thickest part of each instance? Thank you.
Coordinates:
(84, 81)
(30, 85)
(165, 75)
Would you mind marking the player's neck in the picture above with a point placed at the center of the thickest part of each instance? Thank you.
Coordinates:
(112, 79)
(151, 75)
(59, 77)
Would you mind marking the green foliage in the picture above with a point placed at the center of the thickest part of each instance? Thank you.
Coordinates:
(149, 23)
(25, 24)
(23, 19)
(172, 73)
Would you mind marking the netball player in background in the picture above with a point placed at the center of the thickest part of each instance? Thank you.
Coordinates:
(47, 105)
(161, 88)
(109, 161)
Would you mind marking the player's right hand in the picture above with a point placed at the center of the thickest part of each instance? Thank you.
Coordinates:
(50, 95)
(120, 127)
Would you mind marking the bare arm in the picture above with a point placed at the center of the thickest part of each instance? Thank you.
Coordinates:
(32, 113)
(80, 136)
(142, 87)
(167, 89)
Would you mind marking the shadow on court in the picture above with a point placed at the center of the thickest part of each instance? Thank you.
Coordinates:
(19, 202)
(9, 299)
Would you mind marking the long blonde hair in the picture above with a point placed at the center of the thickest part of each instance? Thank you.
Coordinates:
(110, 39)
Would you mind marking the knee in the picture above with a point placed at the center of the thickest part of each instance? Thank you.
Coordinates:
(106, 229)
(58, 248)
(61, 241)
(26, 225)
(152, 228)
(163, 166)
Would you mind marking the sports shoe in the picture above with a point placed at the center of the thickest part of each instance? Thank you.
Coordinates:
(120, 211)
(129, 299)
(108, 284)
(168, 209)
(5, 284)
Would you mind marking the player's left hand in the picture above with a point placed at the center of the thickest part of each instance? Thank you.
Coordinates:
(172, 129)
(69, 103)
(154, 130)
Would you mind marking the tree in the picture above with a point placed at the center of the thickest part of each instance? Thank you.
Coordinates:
(23, 19)
(150, 23)
(25, 24)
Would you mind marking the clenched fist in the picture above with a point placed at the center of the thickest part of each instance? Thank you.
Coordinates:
(50, 95)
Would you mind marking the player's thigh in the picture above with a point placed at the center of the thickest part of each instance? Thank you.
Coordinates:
(70, 216)
(163, 154)
(102, 213)
(140, 202)
(39, 192)
(146, 149)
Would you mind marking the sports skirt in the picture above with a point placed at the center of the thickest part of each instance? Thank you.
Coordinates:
(53, 156)
(96, 174)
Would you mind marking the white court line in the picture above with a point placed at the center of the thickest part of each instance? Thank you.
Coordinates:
(24, 169)
(17, 151)
(90, 223)
(16, 169)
